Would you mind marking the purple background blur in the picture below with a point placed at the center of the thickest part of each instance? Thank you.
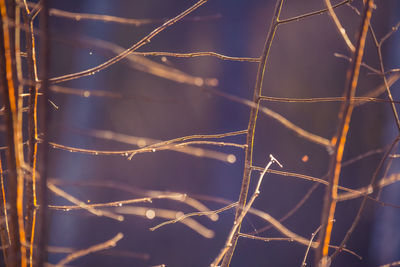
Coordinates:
(301, 64)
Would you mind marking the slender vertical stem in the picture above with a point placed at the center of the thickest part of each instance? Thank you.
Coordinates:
(30, 184)
(7, 84)
(4, 229)
(42, 227)
(339, 141)
(17, 69)
(252, 126)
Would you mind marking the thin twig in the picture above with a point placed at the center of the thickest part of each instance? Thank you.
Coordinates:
(339, 27)
(160, 145)
(303, 264)
(151, 213)
(319, 12)
(275, 223)
(132, 152)
(238, 221)
(102, 246)
(198, 54)
(146, 65)
(201, 213)
(325, 99)
(301, 176)
(35, 9)
(82, 204)
(378, 46)
(352, 193)
(265, 239)
(184, 198)
(389, 34)
(286, 232)
(255, 104)
(119, 203)
(145, 141)
(364, 155)
(376, 71)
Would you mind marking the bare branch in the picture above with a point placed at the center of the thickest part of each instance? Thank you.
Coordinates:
(238, 220)
(82, 204)
(133, 48)
(102, 246)
(339, 140)
(307, 15)
(198, 54)
(151, 213)
(117, 203)
(339, 27)
(184, 216)
(303, 264)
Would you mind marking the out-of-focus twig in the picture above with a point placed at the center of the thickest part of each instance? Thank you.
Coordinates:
(102, 246)
(339, 27)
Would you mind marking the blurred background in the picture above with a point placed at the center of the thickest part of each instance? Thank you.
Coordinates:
(133, 100)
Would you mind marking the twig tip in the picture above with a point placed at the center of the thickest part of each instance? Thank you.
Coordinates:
(274, 160)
